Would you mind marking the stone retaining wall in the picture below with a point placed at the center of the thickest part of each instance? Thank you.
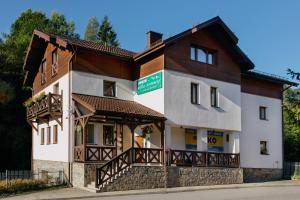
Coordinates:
(83, 173)
(252, 175)
(148, 177)
(195, 176)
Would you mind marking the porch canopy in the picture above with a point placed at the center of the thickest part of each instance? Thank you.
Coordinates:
(112, 110)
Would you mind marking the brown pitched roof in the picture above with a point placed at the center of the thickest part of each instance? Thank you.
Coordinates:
(113, 106)
(96, 46)
(215, 24)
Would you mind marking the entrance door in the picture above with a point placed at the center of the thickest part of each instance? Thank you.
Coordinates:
(139, 141)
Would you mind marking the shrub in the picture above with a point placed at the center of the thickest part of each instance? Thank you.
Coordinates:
(40, 97)
(21, 185)
(29, 102)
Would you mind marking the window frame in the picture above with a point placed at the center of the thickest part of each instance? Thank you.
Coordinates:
(88, 134)
(54, 66)
(114, 88)
(207, 52)
(48, 135)
(55, 134)
(214, 102)
(104, 135)
(197, 95)
(43, 71)
(266, 145)
(42, 136)
(264, 115)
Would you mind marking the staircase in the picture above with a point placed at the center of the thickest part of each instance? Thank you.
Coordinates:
(121, 164)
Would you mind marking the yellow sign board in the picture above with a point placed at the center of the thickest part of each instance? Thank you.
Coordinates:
(215, 141)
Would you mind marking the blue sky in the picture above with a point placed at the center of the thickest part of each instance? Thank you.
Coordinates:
(268, 30)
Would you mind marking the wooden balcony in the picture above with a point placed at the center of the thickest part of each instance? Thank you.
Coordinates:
(51, 105)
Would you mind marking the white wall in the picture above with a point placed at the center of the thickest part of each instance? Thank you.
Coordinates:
(59, 151)
(153, 99)
(92, 84)
(255, 130)
(179, 109)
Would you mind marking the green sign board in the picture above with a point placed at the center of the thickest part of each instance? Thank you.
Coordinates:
(149, 83)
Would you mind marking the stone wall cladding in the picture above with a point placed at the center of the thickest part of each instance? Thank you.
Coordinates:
(195, 176)
(137, 178)
(149, 177)
(52, 167)
(83, 173)
(252, 175)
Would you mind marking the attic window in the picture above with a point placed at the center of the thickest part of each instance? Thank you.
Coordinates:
(203, 55)
(54, 67)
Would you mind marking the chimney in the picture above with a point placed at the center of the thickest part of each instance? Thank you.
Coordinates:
(153, 38)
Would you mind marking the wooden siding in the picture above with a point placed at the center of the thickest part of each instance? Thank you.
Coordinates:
(261, 87)
(177, 57)
(64, 57)
(96, 63)
(150, 65)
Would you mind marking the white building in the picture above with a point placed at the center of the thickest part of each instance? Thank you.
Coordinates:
(194, 95)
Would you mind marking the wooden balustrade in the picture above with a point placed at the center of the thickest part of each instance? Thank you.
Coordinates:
(204, 159)
(52, 103)
(112, 168)
(94, 153)
(148, 155)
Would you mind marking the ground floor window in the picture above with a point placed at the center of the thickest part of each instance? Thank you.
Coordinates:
(191, 139)
(264, 148)
(108, 135)
(215, 141)
(91, 135)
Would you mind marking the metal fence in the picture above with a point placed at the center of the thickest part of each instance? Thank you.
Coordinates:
(291, 169)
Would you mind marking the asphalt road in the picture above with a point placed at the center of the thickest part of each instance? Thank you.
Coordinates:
(282, 190)
(261, 193)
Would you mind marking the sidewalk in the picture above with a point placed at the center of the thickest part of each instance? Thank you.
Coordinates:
(74, 193)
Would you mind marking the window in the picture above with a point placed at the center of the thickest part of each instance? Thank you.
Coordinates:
(193, 53)
(214, 97)
(42, 136)
(108, 135)
(227, 137)
(264, 148)
(191, 139)
(56, 88)
(43, 72)
(90, 130)
(109, 88)
(49, 135)
(55, 134)
(203, 55)
(194, 93)
(54, 67)
(263, 113)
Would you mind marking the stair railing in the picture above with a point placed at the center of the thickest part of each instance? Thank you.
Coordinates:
(108, 171)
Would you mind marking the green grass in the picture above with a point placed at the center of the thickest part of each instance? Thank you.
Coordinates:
(296, 177)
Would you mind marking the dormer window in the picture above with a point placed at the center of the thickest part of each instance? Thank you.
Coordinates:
(54, 67)
(43, 72)
(203, 55)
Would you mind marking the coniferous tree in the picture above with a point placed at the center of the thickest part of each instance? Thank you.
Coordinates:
(92, 29)
(106, 34)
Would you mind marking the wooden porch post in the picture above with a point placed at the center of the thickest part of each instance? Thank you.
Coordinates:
(84, 141)
(132, 128)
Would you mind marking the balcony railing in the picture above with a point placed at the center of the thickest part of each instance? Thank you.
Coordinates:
(204, 159)
(51, 104)
(94, 153)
